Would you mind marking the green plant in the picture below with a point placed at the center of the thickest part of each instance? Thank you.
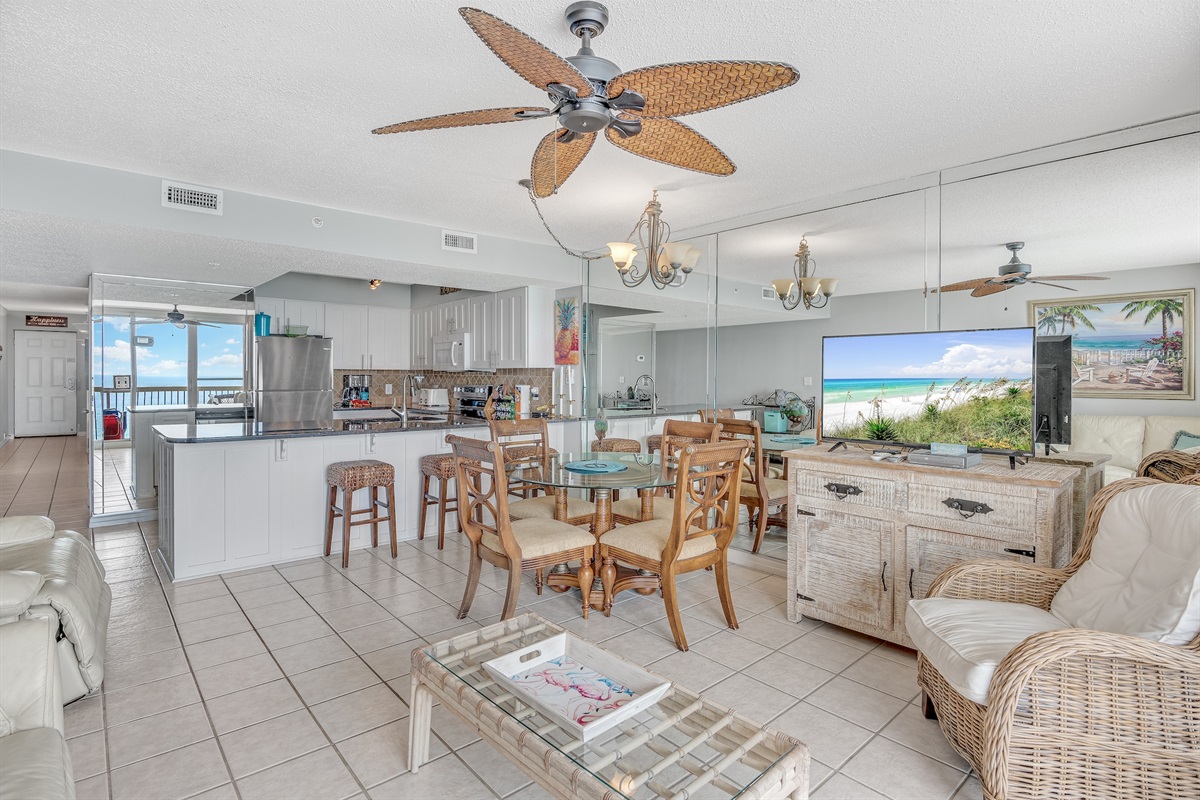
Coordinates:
(1013, 391)
(881, 429)
(931, 410)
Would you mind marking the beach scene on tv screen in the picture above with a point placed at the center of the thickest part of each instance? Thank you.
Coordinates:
(960, 387)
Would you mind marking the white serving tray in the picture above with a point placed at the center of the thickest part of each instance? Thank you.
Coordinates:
(581, 687)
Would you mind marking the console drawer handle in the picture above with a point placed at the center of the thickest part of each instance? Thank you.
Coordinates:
(910, 580)
(962, 506)
(883, 576)
(843, 490)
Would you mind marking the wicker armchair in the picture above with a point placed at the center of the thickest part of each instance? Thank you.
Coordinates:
(1069, 711)
(1169, 465)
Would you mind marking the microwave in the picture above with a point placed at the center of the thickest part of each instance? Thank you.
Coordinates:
(451, 351)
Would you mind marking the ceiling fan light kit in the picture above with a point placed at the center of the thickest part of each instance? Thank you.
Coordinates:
(1014, 272)
(813, 292)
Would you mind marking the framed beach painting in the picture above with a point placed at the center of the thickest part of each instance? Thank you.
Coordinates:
(1135, 346)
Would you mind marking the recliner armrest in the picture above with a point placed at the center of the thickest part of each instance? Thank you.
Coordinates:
(18, 587)
(14, 530)
(30, 690)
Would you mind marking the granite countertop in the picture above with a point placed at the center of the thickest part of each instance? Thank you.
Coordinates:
(663, 410)
(205, 407)
(250, 431)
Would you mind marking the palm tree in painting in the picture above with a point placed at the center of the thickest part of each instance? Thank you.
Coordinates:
(1066, 317)
(1166, 308)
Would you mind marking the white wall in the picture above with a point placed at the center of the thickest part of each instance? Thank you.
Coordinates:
(754, 359)
(6, 414)
(424, 296)
(329, 289)
(619, 351)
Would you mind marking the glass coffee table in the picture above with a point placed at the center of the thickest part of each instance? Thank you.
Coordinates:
(684, 746)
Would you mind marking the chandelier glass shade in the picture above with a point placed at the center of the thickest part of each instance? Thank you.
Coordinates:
(805, 287)
(664, 262)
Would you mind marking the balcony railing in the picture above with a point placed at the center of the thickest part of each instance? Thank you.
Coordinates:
(108, 399)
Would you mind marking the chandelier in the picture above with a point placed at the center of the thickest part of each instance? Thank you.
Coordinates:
(666, 263)
(805, 287)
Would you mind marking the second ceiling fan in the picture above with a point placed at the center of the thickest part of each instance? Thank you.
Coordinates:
(590, 94)
(1014, 273)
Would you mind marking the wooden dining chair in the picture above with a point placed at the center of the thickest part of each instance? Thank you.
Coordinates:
(697, 536)
(525, 443)
(676, 435)
(513, 545)
(761, 494)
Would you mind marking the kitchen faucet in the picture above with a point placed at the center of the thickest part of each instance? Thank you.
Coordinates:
(406, 386)
(653, 394)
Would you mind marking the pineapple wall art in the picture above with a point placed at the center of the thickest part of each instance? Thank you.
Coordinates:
(566, 331)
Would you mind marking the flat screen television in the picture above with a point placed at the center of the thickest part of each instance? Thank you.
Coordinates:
(972, 387)
(1052, 391)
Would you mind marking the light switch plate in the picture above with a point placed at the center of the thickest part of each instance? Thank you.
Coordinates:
(808, 380)
(387, 388)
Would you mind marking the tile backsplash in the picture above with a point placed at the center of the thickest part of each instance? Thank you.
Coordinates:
(539, 378)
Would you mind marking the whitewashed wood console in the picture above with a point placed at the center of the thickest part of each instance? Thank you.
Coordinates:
(865, 537)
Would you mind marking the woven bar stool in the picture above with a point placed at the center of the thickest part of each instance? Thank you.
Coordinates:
(442, 468)
(654, 443)
(350, 476)
(616, 446)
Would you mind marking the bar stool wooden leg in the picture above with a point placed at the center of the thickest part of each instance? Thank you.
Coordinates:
(329, 519)
(391, 500)
(442, 513)
(347, 504)
(375, 516)
(423, 506)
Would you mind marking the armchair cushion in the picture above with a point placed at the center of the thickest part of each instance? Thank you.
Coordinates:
(1119, 436)
(631, 507)
(1143, 577)
(777, 489)
(541, 537)
(14, 530)
(648, 539)
(965, 640)
(36, 764)
(17, 590)
(1161, 430)
(543, 508)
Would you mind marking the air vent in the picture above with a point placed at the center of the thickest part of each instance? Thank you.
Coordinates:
(768, 293)
(192, 198)
(460, 242)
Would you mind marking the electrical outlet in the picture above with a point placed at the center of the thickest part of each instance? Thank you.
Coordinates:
(641, 358)
(387, 388)
(621, 379)
(807, 382)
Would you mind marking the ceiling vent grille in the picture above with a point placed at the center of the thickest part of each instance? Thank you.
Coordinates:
(460, 242)
(192, 198)
(768, 293)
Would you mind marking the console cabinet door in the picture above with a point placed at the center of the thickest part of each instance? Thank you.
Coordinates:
(845, 569)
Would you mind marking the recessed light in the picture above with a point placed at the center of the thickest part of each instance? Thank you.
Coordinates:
(214, 263)
(317, 222)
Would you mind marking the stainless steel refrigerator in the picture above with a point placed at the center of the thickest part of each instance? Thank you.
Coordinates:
(293, 380)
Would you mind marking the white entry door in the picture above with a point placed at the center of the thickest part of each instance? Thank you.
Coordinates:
(45, 383)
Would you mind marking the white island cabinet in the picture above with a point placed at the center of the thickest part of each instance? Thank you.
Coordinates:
(232, 500)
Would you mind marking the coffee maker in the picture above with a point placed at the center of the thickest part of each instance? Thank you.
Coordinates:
(355, 388)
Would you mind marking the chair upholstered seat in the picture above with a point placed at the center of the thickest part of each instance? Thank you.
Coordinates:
(543, 508)
(648, 539)
(631, 508)
(541, 537)
(965, 640)
(777, 489)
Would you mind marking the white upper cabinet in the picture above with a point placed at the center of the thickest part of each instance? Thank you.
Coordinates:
(421, 336)
(388, 338)
(524, 329)
(451, 316)
(347, 326)
(302, 312)
(482, 325)
(272, 306)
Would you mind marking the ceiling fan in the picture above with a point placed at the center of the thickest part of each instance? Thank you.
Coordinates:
(590, 94)
(1015, 273)
(176, 318)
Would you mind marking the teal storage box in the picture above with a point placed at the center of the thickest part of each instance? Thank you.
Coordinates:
(774, 422)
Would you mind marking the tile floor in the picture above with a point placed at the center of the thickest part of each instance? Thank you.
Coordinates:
(292, 682)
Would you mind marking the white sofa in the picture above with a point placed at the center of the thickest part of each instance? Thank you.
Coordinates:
(74, 596)
(1128, 439)
(34, 761)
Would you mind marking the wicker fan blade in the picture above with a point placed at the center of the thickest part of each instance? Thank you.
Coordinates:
(964, 285)
(462, 119)
(1055, 285)
(992, 288)
(524, 55)
(672, 90)
(554, 162)
(672, 142)
(1070, 278)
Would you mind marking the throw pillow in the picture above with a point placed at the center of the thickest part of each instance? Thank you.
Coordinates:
(1184, 440)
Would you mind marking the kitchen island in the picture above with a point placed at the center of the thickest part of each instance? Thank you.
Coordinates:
(232, 496)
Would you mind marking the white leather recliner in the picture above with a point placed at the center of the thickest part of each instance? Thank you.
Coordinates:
(34, 761)
(74, 596)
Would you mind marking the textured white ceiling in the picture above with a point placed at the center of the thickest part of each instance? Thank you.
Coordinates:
(277, 98)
